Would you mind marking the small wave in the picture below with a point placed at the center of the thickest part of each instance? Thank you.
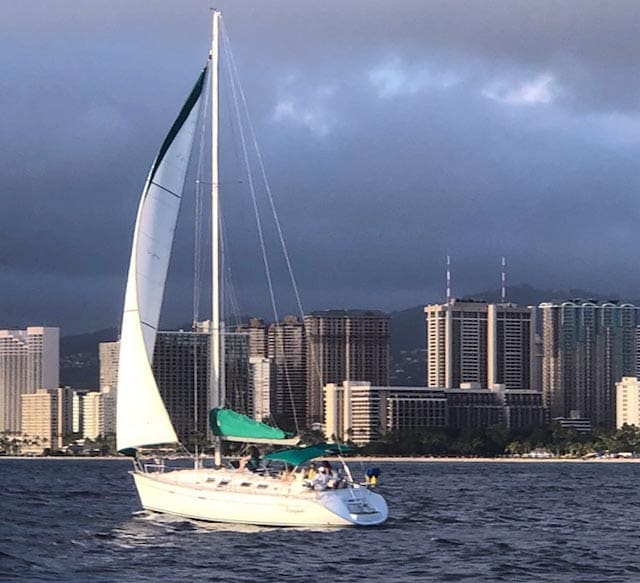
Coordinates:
(446, 541)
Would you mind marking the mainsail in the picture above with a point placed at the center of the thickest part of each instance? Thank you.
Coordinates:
(142, 418)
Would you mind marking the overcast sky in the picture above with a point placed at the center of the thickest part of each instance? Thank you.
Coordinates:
(393, 133)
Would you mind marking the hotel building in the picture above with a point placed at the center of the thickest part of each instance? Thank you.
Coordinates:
(472, 341)
(29, 360)
(287, 349)
(344, 345)
(362, 413)
(109, 354)
(181, 369)
(46, 418)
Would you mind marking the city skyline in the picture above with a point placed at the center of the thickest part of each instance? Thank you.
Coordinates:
(545, 121)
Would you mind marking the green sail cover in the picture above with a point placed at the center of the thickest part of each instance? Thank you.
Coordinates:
(229, 424)
(298, 455)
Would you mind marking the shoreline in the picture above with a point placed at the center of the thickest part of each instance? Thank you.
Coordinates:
(508, 460)
(379, 459)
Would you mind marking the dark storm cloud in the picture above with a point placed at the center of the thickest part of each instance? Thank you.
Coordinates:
(393, 135)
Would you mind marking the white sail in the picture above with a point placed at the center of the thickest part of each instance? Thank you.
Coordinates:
(142, 418)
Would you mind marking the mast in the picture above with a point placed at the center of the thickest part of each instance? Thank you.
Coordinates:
(217, 338)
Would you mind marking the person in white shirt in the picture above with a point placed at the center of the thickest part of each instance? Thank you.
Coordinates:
(321, 480)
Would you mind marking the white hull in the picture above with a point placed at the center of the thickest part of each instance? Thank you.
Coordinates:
(242, 497)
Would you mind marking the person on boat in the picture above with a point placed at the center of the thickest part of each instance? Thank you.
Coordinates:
(321, 481)
(313, 472)
(372, 474)
(287, 474)
(332, 476)
(251, 461)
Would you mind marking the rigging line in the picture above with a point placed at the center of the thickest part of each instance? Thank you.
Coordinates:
(226, 100)
(263, 173)
(197, 269)
(230, 298)
(252, 189)
(199, 205)
(236, 87)
(272, 204)
(236, 82)
(245, 153)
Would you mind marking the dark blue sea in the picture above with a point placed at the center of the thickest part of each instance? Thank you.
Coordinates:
(79, 520)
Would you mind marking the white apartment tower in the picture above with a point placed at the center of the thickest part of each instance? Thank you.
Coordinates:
(109, 353)
(93, 415)
(263, 384)
(472, 341)
(628, 402)
(29, 360)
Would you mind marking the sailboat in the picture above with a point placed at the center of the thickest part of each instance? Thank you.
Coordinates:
(219, 493)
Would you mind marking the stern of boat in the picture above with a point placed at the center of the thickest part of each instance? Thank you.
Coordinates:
(357, 506)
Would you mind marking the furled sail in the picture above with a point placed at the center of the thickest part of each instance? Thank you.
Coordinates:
(142, 418)
(233, 426)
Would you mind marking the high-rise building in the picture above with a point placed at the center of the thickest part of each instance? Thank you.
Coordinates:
(109, 353)
(181, 369)
(628, 402)
(29, 360)
(256, 330)
(46, 418)
(92, 415)
(588, 346)
(344, 345)
(471, 341)
(287, 349)
(263, 384)
(109, 396)
(77, 419)
(238, 395)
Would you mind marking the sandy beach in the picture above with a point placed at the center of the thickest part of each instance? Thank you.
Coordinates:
(386, 459)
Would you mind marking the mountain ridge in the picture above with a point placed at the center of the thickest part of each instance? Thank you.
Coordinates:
(79, 365)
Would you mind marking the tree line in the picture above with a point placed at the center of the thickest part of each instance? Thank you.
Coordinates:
(498, 440)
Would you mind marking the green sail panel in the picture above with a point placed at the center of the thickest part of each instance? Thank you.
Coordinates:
(299, 455)
(234, 426)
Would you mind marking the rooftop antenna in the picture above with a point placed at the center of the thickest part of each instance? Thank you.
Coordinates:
(503, 281)
(448, 279)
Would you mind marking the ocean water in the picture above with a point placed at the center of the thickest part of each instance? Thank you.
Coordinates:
(80, 521)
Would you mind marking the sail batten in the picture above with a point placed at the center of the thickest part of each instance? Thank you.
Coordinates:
(142, 417)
